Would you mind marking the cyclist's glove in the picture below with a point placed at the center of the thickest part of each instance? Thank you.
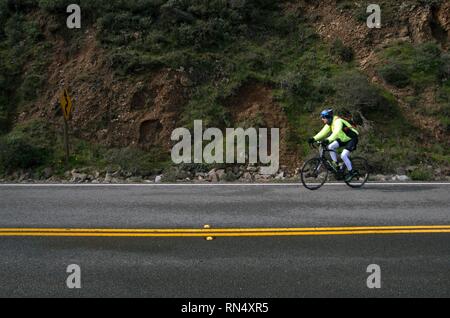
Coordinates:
(311, 141)
(326, 142)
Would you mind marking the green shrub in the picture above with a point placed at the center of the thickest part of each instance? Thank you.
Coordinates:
(379, 164)
(422, 174)
(4, 15)
(31, 86)
(445, 113)
(130, 62)
(345, 53)
(114, 25)
(229, 176)
(356, 94)
(429, 2)
(421, 66)
(204, 104)
(55, 6)
(204, 35)
(4, 123)
(3, 120)
(23, 6)
(301, 93)
(444, 69)
(17, 29)
(137, 161)
(20, 153)
(171, 175)
(297, 84)
(14, 30)
(396, 74)
(36, 132)
(443, 95)
(427, 58)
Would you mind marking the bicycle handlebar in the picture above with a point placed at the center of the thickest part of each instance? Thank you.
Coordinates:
(316, 144)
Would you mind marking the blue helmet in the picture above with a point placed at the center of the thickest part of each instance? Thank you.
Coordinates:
(328, 114)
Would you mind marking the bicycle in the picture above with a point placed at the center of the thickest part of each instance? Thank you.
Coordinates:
(315, 171)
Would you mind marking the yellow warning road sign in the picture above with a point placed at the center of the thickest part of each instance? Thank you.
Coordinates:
(66, 104)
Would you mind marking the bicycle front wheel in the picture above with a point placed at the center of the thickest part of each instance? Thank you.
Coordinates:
(314, 174)
(361, 167)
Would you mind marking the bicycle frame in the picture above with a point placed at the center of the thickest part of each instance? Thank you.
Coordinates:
(322, 152)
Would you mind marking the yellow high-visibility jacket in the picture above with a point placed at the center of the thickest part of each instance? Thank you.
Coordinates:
(337, 131)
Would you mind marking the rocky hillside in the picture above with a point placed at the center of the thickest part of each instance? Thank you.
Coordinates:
(139, 69)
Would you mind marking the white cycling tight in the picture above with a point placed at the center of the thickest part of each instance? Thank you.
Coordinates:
(345, 155)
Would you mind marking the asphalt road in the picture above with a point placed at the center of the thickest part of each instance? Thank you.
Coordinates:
(412, 265)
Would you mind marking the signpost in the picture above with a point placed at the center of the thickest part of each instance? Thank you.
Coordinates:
(66, 106)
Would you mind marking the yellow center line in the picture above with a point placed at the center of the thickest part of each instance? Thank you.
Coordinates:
(225, 232)
(219, 234)
(361, 228)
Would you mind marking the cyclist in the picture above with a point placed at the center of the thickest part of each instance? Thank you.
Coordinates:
(343, 134)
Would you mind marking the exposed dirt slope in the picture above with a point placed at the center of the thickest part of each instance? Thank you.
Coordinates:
(107, 109)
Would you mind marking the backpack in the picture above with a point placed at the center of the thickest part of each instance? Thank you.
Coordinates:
(348, 130)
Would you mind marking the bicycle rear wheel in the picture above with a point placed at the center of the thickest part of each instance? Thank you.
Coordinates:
(361, 167)
(314, 174)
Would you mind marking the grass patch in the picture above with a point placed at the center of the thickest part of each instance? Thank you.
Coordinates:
(422, 174)
(419, 66)
(36, 145)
